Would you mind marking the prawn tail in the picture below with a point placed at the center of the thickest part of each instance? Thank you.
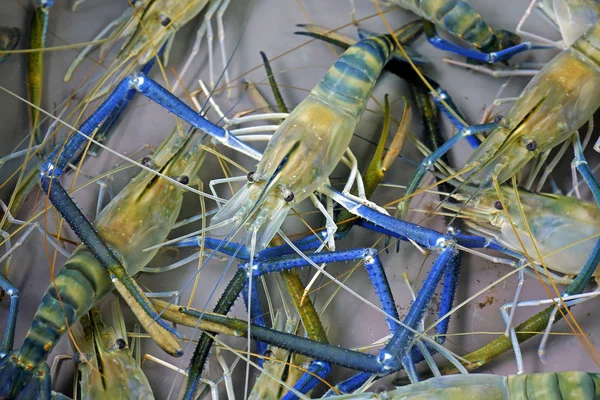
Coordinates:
(20, 383)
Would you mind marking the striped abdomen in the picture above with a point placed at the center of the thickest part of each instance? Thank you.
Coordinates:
(81, 282)
(551, 385)
(458, 18)
(349, 82)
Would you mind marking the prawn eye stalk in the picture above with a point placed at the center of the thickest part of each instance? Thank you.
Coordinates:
(531, 145)
(164, 20)
(120, 344)
(287, 194)
(147, 162)
(77, 359)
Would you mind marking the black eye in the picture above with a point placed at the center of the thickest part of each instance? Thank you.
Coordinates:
(531, 146)
(184, 179)
(77, 358)
(146, 162)
(250, 176)
(498, 205)
(120, 344)
(269, 354)
(164, 20)
(287, 195)
(498, 119)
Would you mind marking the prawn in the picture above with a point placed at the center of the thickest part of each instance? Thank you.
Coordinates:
(141, 215)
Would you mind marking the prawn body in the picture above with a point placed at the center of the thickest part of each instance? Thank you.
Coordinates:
(146, 26)
(560, 385)
(560, 99)
(110, 372)
(555, 222)
(308, 145)
(460, 19)
(141, 215)
(160, 20)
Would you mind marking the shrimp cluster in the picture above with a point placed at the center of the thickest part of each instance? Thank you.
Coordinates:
(318, 171)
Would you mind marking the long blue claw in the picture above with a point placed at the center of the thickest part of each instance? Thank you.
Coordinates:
(308, 380)
(57, 161)
(490, 58)
(9, 333)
